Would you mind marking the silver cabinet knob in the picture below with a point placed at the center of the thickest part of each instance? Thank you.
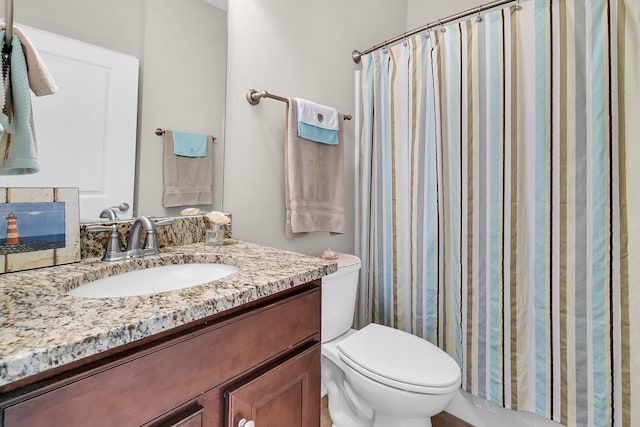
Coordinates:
(244, 423)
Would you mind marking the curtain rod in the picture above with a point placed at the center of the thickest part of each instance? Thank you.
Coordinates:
(356, 55)
(254, 97)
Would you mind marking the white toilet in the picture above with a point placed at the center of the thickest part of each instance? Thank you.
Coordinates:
(378, 376)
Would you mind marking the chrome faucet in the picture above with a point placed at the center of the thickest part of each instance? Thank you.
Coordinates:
(150, 242)
(109, 213)
(113, 251)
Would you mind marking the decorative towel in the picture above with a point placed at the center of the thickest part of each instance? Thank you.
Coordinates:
(188, 181)
(317, 134)
(317, 122)
(17, 141)
(40, 79)
(189, 144)
(314, 182)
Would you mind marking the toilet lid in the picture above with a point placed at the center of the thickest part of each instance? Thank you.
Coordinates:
(399, 359)
(346, 260)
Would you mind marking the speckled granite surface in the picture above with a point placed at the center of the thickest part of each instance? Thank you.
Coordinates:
(41, 327)
(183, 231)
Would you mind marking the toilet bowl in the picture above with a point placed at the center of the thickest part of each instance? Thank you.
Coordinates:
(378, 376)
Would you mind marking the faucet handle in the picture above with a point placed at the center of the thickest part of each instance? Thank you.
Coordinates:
(168, 221)
(113, 244)
(109, 213)
(150, 240)
(99, 228)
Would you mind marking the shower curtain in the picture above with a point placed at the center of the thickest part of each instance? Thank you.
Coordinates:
(496, 169)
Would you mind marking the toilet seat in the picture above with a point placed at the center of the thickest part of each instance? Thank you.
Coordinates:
(400, 360)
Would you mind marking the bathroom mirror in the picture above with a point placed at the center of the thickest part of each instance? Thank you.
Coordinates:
(181, 49)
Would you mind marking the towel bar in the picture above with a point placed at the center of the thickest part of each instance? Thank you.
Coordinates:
(8, 19)
(160, 132)
(254, 97)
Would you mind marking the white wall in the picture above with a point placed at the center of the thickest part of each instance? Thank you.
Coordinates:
(292, 48)
(420, 12)
(183, 88)
(181, 45)
(114, 24)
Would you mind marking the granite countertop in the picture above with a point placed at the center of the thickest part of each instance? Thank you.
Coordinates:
(41, 327)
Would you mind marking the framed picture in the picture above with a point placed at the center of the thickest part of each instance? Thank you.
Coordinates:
(39, 227)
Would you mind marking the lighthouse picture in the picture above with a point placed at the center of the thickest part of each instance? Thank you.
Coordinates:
(29, 227)
(12, 230)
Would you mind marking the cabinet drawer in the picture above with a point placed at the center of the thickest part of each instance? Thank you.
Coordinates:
(157, 380)
(192, 417)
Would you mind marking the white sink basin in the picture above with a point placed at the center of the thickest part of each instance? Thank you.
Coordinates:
(153, 280)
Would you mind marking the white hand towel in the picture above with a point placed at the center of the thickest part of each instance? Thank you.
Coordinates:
(317, 115)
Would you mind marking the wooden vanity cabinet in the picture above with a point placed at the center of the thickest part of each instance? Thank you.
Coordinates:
(280, 397)
(260, 363)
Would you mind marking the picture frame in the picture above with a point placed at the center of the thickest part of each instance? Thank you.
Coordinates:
(39, 227)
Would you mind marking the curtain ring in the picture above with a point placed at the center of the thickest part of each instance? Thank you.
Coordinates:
(479, 17)
(518, 7)
(442, 28)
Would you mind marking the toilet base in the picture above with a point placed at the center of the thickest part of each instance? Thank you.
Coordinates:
(347, 409)
(382, 420)
(358, 401)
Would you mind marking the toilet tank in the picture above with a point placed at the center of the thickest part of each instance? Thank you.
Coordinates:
(339, 292)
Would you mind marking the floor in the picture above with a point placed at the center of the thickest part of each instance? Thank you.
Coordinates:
(443, 419)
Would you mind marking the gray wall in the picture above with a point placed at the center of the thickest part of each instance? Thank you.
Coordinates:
(93, 21)
(292, 48)
(420, 12)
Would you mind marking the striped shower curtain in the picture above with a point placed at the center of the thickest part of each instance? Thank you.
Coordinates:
(499, 204)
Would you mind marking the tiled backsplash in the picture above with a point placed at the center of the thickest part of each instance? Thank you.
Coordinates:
(183, 231)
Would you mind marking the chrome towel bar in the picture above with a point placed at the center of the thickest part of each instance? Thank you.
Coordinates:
(8, 19)
(254, 97)
(160, 132)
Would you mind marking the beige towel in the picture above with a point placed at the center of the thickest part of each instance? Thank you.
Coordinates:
(314, 182)
(188, 181)
(40, 80)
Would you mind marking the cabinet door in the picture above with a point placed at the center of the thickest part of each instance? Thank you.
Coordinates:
(286, 396)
